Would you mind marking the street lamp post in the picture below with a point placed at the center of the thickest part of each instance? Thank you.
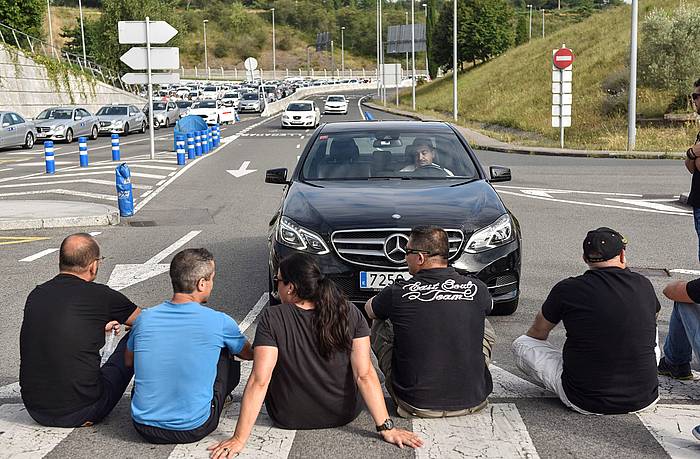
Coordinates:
(381, 53)
(454, 59)
(406, 51)
(425, 7)
(82, 31)
(542, 22)
(342, 50)
(333, 69)
(632, 103)
(48, 6)
(206, 57)
(413, 53)
(308, 61)
(274, 57)
(377, 37)
(529, 36)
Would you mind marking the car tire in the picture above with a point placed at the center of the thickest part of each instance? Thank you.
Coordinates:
(126, 129)
(143, 127)
(218, 120)
(167, 123)
(505, 309)
(95, 133)
(69, 135)
(28, 141)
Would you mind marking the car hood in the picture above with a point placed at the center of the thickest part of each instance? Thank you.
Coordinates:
(296, 113)
(202, 111)
(112, 117)
(327, 206)
(49, 123)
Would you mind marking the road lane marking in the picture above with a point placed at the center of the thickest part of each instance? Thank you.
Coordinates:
(83, 194)
(6, 170)
(692, 272)
(57, 182)
(38, 255)
(20, 436)
(554, 190)
(649, 204)
(253, 313)
(508, 385)
(298, 145)
(496, 431)
(11, 240)
(671, 426)
(100, 172)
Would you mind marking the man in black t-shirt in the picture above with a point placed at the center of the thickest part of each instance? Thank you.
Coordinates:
(64, 326)
(608, 365)
(692, 163)
(429, 333)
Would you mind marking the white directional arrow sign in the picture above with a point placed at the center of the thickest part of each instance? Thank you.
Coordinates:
(243, 170)
(161, 58)
(134, 32)
(156, 78)
(126, 275)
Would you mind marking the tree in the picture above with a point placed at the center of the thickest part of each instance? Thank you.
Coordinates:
(24, 15)
(485, 29)
(440, 54)
(521, 30)
(429, 28)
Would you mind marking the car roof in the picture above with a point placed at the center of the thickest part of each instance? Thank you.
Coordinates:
(394, 125)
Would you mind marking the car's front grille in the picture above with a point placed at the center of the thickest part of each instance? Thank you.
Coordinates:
(43, 129)
(383, 248)
(105, 123)
(502, 284)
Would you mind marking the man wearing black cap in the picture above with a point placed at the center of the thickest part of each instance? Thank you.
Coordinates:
(608, 365)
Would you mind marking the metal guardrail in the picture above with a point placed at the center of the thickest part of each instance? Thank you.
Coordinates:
(22, 41)
(219, 73)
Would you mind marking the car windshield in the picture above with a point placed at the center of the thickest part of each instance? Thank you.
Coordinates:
(250, 96)
(183, 103)
(231, 95)
(388, 155)
(335, 99)
(112, 111)
(205, 104)
(299, 108)
(55, 114)
(158, 106)
(210, 89)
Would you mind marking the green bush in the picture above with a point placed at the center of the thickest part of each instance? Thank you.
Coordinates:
(616, 94)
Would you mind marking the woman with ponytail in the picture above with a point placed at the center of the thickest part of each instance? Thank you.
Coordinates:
(311, 362)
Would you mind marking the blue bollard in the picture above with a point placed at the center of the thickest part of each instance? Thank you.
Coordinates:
(198, 143)
(180, 141)
(210, 139)
(116, 154)
(48, 156)
(125, 195)
(205, 142)
(217, 135)
(82, 147)
(191, 153)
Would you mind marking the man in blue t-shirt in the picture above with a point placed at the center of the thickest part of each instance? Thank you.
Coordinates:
(182, 354)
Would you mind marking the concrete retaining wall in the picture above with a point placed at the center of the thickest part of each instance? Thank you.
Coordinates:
(26, 87)
(279, 106)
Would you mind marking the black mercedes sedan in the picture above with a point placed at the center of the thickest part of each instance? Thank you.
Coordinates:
(358, 189)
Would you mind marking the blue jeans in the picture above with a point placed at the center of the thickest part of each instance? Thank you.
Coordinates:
(696, 218)
(683, 334)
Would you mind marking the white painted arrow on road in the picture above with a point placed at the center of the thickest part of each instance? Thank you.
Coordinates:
(243, 170)
(126, 275)
(542, 193)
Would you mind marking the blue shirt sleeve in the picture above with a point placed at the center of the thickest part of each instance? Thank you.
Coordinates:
(233, 338)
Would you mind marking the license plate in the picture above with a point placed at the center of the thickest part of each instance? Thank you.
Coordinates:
(377, 280)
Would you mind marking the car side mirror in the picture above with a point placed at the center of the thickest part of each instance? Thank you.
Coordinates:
(5, 124)
(78, 118)
(278, 176)
(499, 174)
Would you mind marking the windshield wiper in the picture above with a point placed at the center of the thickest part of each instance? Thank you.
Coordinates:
(465, 182)
(389, 177)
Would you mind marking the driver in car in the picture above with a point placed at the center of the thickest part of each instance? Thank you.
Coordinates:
(424, 155)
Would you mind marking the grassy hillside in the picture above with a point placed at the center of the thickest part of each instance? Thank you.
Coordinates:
(510, 97)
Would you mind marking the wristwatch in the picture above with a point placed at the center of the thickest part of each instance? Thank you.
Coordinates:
(387, 425)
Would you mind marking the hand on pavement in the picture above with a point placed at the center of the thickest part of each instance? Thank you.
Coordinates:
(225, 449)
(401, 438)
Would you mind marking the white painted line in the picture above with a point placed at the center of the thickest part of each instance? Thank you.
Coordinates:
(38, 255)
(671, 426)
(146, 193)
(6, 170)
(101, 172)
(253, 313)
(496, 431)
(298, 145)
(160, 256)
(691, 272)
(61, 191)
(508, 385)
(160, 183)
(92, 181)
(95, 233)
(21, 437)
(554, 190)
(43, 163)
(359, 107)
(650, 205)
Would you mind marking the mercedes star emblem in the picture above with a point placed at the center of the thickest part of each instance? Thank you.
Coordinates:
(395, 248)
(396, 216)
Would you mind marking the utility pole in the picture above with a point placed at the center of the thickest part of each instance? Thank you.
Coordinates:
(342, 50)
(427, 71)
(413, 53)
(53, 50)
(308, 61)
(206, 56)
(274, 61)
(377, 37)
(542, 22)
(82, 32)
(454, 59)
(381, 52)
(333, 69)
(406, 51)
(530, 33)
(632, 107)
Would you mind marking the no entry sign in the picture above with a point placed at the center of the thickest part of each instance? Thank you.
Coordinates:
(563, 58)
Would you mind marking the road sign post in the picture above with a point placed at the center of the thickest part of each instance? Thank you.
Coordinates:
(562, 76)
(138, 58)
(250, 65)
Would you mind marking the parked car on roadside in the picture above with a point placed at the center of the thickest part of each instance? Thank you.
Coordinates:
(302, 113)
(66, 123)
(121, 119)
(16, 131)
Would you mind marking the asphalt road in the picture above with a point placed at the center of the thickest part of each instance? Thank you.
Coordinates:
(555, 199)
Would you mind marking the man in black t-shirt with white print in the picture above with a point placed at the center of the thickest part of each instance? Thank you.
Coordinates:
(64, 326)
(692, 163)
(608, 365)
(429, 333)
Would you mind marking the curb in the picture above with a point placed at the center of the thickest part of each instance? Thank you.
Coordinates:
(538, 151)
(110, 218)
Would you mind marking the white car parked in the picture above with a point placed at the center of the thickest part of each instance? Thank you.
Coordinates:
(302, 113)
(213, 112)
(231, 99)
(336, 104)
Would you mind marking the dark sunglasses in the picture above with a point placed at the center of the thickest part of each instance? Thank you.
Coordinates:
(276, 280)
(417, 251)
(695, 95)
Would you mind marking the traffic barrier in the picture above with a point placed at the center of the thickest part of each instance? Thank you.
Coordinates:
(116, 153)
(180, 142)
(210, 138)
(205, 142)
(125, 195)
(82, 147)
(191, 153)
(48, 157)
(198, 143)
(368, 116)
(215, 135)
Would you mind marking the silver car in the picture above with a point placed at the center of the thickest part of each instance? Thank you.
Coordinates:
(66, 123)
(16, 131)
(121, 119)
(164, 113)
(251, 102)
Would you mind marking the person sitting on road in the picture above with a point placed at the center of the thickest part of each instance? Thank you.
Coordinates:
(423, 156)
(430, 333)
(64, 326)
(312, 362)
(182, 353)
(608, 365)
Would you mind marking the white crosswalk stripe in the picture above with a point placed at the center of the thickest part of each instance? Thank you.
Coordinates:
(672, 425)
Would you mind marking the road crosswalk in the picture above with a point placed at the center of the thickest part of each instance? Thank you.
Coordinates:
(498, 431)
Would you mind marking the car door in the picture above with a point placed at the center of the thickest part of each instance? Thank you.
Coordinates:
(78, 123)
(22, 127)
(89, 119)
(9, 131)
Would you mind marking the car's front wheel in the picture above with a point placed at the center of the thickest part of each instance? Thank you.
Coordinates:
(143, 127)
(28, 141)
(126, 129)
(167, 122)
(69, 136)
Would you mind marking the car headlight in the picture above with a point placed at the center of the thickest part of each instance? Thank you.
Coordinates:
(292, 235)
(308, 116)
(59, 128)
(118, 123)
(285, 116)
(496, 234)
